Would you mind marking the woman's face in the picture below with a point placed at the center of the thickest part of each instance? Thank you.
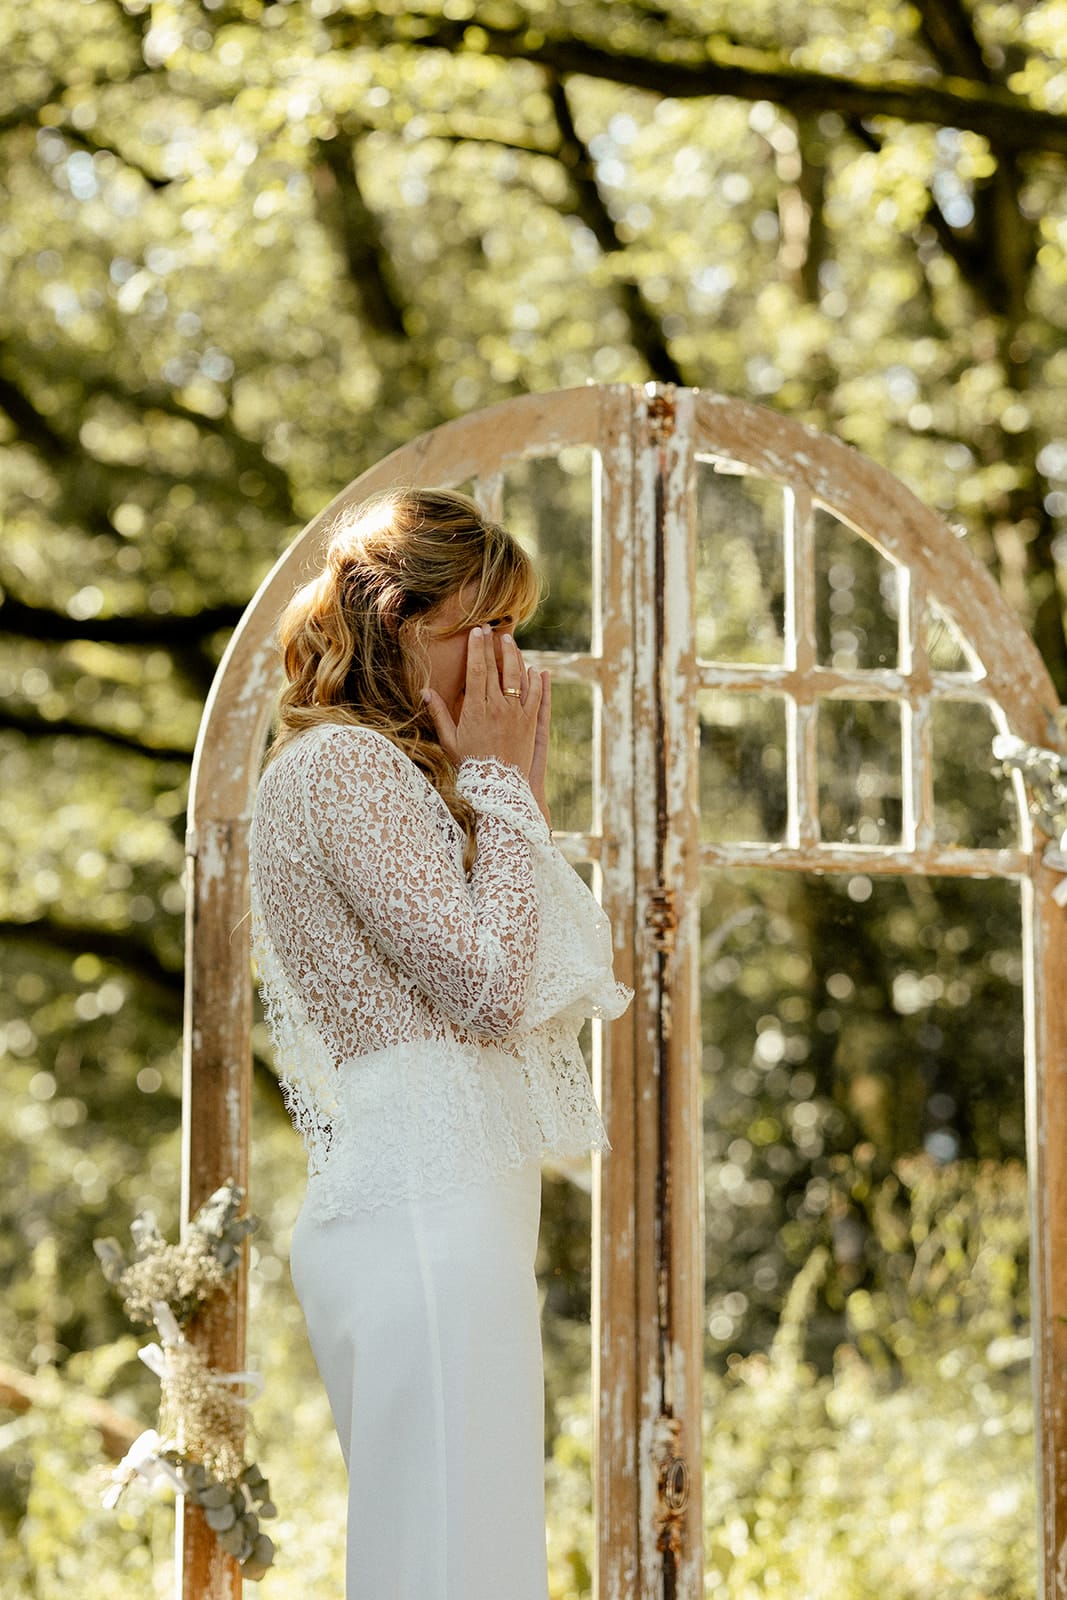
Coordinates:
(447, 651)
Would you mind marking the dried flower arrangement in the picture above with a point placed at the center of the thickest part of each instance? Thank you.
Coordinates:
(197, 1445)
(1045, 774)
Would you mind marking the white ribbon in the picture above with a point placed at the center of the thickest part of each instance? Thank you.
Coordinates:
(141, 1460)
(255, 1381)
(167, 1323)
(156, 1359)
(1055, 856)
(1016, 752)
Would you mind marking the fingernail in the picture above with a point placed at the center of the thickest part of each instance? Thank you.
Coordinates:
(509, 638)
(426, 696)
(476, 633)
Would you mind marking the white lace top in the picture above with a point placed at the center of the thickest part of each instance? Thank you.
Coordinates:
(425, 1021)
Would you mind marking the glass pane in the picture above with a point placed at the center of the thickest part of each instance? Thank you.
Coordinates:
(571, 757)
(548, 505)
(739, 567)
(946, 647)
(859, 771)
(742, 766)
(857, 600)
(974, 804)
(869, 1420)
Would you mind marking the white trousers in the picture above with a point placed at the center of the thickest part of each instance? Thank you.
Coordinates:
(425, 1326)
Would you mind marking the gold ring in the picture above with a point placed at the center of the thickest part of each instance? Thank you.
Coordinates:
(517, 692)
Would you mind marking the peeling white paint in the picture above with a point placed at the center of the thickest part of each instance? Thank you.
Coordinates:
(213, 859)
(614, 422)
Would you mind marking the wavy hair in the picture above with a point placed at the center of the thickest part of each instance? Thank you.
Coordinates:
(351, 639)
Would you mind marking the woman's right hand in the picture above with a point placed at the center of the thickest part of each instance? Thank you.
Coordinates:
(493, 724)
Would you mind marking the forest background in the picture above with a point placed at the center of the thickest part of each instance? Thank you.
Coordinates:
(249, 248)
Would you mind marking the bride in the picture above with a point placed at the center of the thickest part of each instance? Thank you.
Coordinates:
(426, 958)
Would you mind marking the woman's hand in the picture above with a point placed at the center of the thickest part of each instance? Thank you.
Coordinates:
(501, 716)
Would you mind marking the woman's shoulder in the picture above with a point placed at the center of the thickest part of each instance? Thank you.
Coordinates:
(349, 755)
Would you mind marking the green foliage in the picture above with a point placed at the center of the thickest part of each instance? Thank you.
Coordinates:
(249, 248)
(849, 1482)
(841, 1483)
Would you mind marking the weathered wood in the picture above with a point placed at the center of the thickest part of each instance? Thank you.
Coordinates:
(679, 1511)
(216, 1091)
(1046, 979)
(644, 840)
(616, 1246)
(830, 683)
(947, 861)
(876, 504)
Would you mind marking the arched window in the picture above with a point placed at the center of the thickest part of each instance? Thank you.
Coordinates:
(781, 676)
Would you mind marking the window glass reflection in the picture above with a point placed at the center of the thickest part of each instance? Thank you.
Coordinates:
(742, 766)
(740, 580)
(869, 1423)
(859, 772)
(974, 804)
(857, 599)
(548, 505)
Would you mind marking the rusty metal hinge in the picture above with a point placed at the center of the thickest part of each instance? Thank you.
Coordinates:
(662, 918)
(672, 1485)
(660, 417)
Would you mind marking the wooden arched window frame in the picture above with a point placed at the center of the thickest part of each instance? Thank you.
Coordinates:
(645, 675)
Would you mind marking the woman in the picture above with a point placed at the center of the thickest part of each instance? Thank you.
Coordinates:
(426, 958)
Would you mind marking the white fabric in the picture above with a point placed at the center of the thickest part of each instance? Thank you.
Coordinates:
(425, 1022)
(423, 1319)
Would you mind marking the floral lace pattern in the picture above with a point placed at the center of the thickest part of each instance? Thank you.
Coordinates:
(425, 1022)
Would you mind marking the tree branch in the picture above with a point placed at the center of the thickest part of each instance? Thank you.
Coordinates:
(42, 623)
(995, 255)
(87, 141)
(370, 269)
(19, 1391)
(33, 426)
(247, 454)
(121, 951)
(646, 330)
(117, 948)
(87, 500)
(949, 33)
(41, 728)
(27, 115)
(744, 73)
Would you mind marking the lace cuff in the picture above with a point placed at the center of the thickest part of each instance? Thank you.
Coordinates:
(496, 789)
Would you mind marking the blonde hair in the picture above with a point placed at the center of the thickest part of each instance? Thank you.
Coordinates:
(351, 639)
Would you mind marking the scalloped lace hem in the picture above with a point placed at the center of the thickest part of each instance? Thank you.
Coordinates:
(418, 1120)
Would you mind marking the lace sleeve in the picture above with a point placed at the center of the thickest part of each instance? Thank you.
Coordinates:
(495, 789)
(467, 943)
(572, 970)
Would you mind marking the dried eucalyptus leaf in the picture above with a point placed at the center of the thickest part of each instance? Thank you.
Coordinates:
(110, 1256)
(215, 1496)
(145, 1231)
(267, 1508)
(259, 1559)
(232, 1540)
(220, 1517)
